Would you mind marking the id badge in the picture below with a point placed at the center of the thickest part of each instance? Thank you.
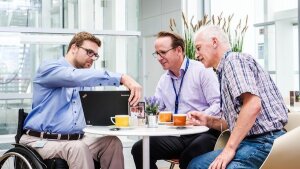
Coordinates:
(39, 144)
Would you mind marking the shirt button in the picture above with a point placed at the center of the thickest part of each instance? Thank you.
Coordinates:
(100, 84)
(73, 101)
(75, 123)
(75, 112)
(115, 84)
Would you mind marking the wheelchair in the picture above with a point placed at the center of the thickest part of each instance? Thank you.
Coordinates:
(25, 157)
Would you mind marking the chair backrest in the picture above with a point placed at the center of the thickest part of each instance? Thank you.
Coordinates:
(285, 152)
(222, 140)
(21, 117)
(293, 121)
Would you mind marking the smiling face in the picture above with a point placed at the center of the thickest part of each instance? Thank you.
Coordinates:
(83, 56)
(170, 58)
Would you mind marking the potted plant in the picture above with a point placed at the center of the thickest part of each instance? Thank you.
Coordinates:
(151, 111)
(236, 35)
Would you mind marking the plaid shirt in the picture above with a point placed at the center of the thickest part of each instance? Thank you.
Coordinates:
(239, 73)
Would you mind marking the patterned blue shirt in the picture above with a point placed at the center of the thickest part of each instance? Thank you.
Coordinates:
(56, 106)
(240, 73)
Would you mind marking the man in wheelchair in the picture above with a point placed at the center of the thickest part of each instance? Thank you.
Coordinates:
(54, 126)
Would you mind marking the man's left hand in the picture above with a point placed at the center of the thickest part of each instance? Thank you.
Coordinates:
(223, 159)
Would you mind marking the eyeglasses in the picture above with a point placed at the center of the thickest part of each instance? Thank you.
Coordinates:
(90, 53)
(161, 53)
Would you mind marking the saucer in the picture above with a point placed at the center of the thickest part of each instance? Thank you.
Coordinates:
(165, 122)
(179, 127)
(113, 126)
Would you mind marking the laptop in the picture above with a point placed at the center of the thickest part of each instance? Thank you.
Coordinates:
(99, 106)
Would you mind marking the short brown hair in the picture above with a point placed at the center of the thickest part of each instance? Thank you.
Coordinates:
(177, 40)
(82, 36)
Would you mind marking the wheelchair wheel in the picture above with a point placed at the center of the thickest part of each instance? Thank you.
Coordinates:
(19, 158)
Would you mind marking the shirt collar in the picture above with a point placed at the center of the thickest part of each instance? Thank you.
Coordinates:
(65, 62)
(182, 68)
(221, 63)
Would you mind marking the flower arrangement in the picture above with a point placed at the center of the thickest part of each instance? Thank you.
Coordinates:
(151, 105)
(236, 39)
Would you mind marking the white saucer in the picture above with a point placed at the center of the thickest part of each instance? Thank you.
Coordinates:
(165, 122)
(113, 126)
(179, 127)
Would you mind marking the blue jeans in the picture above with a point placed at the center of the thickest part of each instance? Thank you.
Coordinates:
(250, 154)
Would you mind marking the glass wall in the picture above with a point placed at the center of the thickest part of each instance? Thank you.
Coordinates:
(272, 36)
(33, 31)
(70, 14)
(276, 42)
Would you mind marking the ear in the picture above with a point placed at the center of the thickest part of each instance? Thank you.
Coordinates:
(214, 42)
(179, 49)
(73, 47)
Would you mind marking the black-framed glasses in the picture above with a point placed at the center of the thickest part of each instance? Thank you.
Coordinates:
(161, 53)
(90, 53)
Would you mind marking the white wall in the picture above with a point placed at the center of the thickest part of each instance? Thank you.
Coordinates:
(284, 51)
(155, 15)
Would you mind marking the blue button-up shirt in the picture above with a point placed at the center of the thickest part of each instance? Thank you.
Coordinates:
(199, 92)
(56, 106)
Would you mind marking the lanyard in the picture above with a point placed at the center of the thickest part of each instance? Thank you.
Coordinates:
(220, 79)
(177, 94)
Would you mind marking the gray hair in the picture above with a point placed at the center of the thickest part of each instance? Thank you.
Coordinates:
(210, 31)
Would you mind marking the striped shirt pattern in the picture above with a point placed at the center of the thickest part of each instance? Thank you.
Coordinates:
(240, 73)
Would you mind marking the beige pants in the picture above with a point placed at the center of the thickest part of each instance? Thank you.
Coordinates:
(79, 154)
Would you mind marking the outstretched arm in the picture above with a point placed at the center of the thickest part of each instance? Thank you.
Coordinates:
(134, 87)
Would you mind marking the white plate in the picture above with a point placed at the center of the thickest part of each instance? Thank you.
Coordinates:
(165, 122)
(113, 126)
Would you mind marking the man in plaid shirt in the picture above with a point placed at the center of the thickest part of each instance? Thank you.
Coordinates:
(250, 102)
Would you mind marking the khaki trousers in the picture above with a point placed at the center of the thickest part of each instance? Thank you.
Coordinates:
(79, 154)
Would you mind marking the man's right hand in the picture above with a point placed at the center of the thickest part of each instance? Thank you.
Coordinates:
(134, 87)
(198, 118)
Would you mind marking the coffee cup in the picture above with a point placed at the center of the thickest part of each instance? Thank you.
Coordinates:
(165, 116)
(179, 119)
(120, 120)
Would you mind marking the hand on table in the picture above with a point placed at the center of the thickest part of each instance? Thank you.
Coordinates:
(197, 118)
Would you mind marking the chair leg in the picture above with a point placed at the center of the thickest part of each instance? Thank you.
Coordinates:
(172, 165)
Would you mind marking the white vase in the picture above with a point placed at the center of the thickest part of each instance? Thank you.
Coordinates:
(152, 121)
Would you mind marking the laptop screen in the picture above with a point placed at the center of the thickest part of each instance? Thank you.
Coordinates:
(99, 106)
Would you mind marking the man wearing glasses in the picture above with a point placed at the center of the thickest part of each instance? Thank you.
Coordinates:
(185, 86)
(54, 126)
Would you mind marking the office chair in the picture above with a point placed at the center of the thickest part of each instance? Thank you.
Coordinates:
(285, 151)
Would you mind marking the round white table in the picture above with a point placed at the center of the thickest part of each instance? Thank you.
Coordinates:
(145, 132)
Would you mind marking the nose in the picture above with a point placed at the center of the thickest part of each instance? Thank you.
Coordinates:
(94, 58)
(159, 58)
(197, 56)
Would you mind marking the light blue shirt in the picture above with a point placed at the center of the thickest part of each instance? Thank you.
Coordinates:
(199, 91)
(56, 106)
